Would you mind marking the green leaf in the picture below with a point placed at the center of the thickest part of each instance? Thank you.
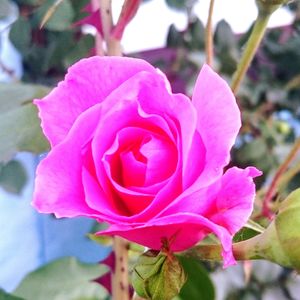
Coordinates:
(19, 94)
(177, 4)
(59, 46)
(5, 296)
(50, 12)
(197, 32)
(174, 38)
(224, 36)
(61, 19)
(252, 151)
(13, 177)
(250, 230)
(81, 50)
(226, 47)
(64, 279)
(20, 126)
(20, 34)
(198, 285)
(244, 234)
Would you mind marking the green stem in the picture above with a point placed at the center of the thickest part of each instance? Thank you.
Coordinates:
(251, 48)
(120, 281)
(244, 250)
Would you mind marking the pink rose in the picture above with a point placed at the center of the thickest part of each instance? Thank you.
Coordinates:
(127, 151)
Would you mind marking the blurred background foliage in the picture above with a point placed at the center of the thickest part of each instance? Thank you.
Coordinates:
(269, 99)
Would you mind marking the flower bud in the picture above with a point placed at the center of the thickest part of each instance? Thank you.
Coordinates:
(287, 228)
(269, 6)
(280, 242)
(158, 276)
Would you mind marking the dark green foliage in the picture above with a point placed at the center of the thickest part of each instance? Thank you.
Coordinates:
(13, 176)
(48, 51)
(177, 4)
(198, 285)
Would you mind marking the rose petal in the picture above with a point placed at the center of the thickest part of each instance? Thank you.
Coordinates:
(178, 110)
(234, 203)
(58, 185)
(218, 123)
(125, 107)
(108, 207)
(227, 202)
(183, 230)
(161, 157)
(87, 83)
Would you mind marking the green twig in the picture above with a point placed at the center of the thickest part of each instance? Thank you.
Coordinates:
(250, 50)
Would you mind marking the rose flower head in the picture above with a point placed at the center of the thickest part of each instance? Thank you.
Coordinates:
(129, 152)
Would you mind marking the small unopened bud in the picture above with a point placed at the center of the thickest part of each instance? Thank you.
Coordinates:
(280, 242)
(269, 6)
(158, 276)
(287, 228)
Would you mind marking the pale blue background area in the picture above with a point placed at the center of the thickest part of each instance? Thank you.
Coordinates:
(29, 239)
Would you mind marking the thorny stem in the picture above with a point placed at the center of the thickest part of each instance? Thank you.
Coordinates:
(276, 179)
(106, 17)
(113, 45)
(120, 282)
(250, 50)
(209, 47)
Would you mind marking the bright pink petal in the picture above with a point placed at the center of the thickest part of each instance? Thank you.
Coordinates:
(183, 229)
(234, 203)
(135, 103)
(58, 185)
(227, 202)
(219, 121)
(119, 171)
(161, 158)
(128, 151)
(87, 83)
(109, 207)
(195, 161)
(122, 110)
(178, 110)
